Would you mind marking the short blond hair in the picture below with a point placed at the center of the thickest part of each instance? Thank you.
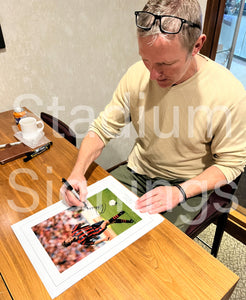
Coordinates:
(189, 10)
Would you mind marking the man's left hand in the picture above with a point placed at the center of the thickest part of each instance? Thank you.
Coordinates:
(159, 199)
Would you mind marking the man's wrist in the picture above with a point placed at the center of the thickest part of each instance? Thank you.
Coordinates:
(181, 191)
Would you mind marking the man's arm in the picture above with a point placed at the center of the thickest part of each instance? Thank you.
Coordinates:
(209, 179)
(106, 126)
(90, 149)
(164, 198)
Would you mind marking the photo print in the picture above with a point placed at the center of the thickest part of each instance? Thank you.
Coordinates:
(65, 244)
(76, 232)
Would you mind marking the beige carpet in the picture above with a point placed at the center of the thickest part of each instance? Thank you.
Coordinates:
(232, 254)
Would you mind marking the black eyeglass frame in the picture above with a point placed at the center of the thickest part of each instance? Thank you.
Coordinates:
(159, 17)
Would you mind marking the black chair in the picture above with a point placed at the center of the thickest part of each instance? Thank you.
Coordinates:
(215, 210)
(59, 127)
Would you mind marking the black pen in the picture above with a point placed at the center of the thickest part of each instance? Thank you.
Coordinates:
(37, 151)
(70, 188)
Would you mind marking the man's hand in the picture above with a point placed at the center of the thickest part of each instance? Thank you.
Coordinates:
(78, 182)
(160, 199)
(91, 147)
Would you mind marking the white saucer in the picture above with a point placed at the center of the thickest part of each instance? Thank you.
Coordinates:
(39, 140)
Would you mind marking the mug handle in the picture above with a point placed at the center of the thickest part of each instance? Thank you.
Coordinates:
(42, 126)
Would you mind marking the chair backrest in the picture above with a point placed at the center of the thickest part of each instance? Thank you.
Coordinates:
(219, 202)
(59, 127)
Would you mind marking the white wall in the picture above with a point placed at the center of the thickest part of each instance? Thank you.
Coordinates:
(66, 58)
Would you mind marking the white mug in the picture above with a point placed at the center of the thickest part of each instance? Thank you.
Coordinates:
(30, 129)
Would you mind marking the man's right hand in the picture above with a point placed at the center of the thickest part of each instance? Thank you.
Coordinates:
(78, 182)
(91, 147)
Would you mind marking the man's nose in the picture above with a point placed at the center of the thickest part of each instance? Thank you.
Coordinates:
(155, 74)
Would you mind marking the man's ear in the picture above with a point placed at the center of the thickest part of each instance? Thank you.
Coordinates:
(199, 44)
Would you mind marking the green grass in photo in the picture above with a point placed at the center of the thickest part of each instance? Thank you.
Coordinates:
(101, 202)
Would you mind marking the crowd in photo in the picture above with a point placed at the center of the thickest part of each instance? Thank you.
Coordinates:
(53, 231)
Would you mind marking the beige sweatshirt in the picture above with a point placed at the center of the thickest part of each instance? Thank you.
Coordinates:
(184, 129)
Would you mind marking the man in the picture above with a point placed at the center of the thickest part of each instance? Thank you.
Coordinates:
(87, 234)
(188, 113)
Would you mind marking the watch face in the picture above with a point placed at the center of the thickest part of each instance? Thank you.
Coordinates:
(2, 44)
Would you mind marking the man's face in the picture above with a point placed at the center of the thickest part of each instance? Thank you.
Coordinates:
(167, 60)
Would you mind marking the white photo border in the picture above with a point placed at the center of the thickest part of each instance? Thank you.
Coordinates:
(56, 282)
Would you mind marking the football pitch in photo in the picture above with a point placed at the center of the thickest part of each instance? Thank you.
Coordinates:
(111, 205)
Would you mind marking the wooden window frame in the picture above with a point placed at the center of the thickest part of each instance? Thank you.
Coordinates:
(212, 26)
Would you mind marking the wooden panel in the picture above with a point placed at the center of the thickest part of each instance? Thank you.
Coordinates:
(236, 231)
(212, 26)
(236, 224)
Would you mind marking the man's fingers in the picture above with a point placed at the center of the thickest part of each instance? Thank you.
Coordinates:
(82, 187)
(70, 198)
(147, 199)
(155, 201)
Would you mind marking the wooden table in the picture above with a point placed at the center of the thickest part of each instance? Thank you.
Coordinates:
(163, 264)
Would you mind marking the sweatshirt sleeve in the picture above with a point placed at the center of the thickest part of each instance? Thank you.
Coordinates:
(116, 114)
(229, 142)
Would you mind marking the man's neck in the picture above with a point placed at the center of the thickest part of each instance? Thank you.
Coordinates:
(200, 61)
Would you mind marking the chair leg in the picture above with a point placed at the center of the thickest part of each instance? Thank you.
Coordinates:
(221, 223)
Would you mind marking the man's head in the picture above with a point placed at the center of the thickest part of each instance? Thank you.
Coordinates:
(185, 15)
(170, 56)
